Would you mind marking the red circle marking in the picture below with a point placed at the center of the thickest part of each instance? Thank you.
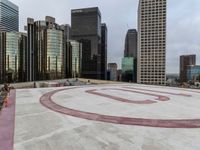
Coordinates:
(177, 94)
(47, 101)
(159, 97)
(124, 100)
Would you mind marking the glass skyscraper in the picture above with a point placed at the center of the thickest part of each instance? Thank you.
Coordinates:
(86, 29)
(131, 43)
(74, 59)
(104, 38)
(12, 45)
(9, 16)
(129, 69)
(54, 53)
(45, 50)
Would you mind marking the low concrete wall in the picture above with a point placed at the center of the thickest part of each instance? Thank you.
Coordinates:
(56, 83)
(93, 81)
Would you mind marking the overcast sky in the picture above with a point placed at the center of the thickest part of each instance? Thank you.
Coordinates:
(183, 23)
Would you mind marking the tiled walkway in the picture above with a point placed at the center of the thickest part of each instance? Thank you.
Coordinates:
(7, 124)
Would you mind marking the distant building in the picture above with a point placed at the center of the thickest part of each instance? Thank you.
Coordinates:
(23, 59)
(129, 62)
(108, 75)
(129, 69)
(9, 16)
(185, 61)
(119, 75)
(151, 66)
(86, 29)
(193, 73)
(45, 50)
(104, 51)
(67, 31)
(74, 59)
(11, 65)
(112, 67)
(131, 44)
(66, 37)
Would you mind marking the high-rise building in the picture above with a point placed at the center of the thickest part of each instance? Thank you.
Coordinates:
(103, 51)
(151, 63)
(193, 73)
(67, 36)
(86, 29)
(129, 62)
(129, 69)
(131, 43)
(9, 16)
(67, 31)
(45, 50)
(11, 47)
(74, 59)
(23, 59)
(112, 68)
(185, 61)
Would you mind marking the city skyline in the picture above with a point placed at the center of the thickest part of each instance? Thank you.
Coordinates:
(181, 40)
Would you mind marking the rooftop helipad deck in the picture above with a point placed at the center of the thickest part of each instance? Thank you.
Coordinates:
(107, 117)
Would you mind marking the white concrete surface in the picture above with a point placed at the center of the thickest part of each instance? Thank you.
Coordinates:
(39, 128)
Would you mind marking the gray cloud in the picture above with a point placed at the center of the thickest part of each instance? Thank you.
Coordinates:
(183, 29)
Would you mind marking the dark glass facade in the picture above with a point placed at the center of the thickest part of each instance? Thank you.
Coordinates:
(129, 62)
(131, 44)
(74, 59)
(9, 16)
(129, 69)
(2, 56)
(86, 28)
(45, 50)
(103, 51)
(11, 63)
(185, 61)
(23, 59)
(67, 36)
(193, 73)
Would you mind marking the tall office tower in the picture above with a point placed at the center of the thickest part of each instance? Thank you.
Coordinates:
(73, 59)
(67, 36)
(86, 28)
(45, 50)
(23, 53)
(112, 68)
(9, 16)
(10, 56)
(129, 62)
(151, 66)
(104, 33)
(131, 44)
(129, 69)
(2, 56)
(30, 67)
(185, 61)
(67, 31)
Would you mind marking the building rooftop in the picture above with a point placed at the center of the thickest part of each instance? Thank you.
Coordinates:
(10, 4)
(102, 117)
(86, 10)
